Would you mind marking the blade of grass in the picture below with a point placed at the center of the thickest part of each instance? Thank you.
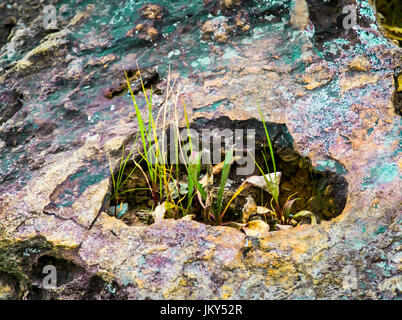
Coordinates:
(272, 185)
(287, 207)
(135, 189)
(193, 171)
(238, 191)
(149, 185)
(271, 150)
(111, 172)
(225, 174)
(121, 170)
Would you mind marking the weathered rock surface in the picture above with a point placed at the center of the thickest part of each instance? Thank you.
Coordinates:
(63, 108)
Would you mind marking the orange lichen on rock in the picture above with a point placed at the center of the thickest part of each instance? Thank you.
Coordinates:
(317, 75)
(151, 11)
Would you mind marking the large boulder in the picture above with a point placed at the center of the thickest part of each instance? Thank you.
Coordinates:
(63, 109)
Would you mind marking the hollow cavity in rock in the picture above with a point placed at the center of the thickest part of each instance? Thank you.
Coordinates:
(320, 192)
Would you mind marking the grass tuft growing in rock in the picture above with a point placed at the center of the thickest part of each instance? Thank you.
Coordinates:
(178, 190)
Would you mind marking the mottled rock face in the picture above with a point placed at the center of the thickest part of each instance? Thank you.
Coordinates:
(216, 29)
(63, 107)
(11, 103)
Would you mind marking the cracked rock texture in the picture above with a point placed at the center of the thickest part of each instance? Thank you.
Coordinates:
(62, 109)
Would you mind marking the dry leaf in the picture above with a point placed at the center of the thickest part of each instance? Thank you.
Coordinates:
(159, 213)
(249, 208)
(256, 228)
(306, 213)
(259, 181)
(283, 226)
(262, 210)
(188, 217)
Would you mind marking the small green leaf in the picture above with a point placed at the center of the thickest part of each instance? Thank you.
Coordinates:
(225, 174)
(306, 213)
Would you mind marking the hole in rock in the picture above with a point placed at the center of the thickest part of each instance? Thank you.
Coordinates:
(321, 195)
(35, 293)
(5, 29)
(9, 287)
(99, 289)
(11, 102)
(66, 270)
(328, 20)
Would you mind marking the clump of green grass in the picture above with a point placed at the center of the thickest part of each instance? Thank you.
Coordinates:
(146, 138)
(271, 183)
(193, 167)
(162, 178)
(205, 197)
(153, 151)
(281, 212)
(159, 175)
(118, 182)
(225, 174)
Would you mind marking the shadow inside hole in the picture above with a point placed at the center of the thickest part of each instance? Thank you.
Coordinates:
(35, 293)
(9, 287)
(99, 289)
(65, 270)
(322, 192)
(5, 31)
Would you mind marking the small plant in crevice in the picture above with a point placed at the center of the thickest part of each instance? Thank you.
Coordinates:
(119, 182)
(176, 189)
(210, 204)
(272, 180)
(151, 187)
(282, 214)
